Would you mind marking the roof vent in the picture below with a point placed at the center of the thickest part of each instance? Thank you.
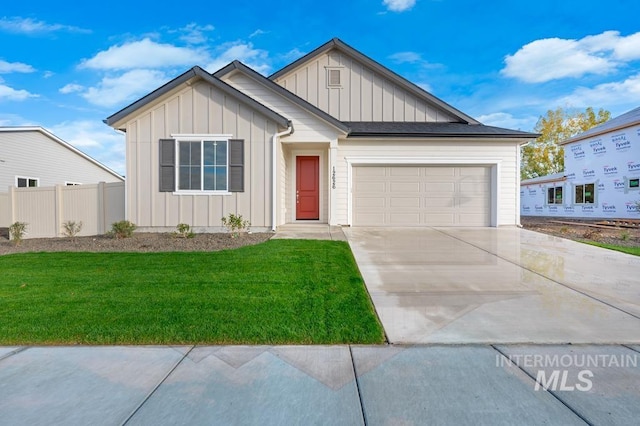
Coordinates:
(333, 77)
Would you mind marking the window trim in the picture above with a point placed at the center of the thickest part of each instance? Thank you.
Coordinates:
(555, 195)
(329, 69)
(27, 179)
(199, 138)
(583, 185)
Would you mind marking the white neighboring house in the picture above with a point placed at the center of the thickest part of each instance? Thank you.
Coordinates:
(35, 157)
(601, 177)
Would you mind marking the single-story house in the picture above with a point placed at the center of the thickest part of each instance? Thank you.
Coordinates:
(35, 157)
(334, 137)
(601, 177)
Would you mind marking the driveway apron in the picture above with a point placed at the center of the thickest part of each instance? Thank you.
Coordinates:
(496, 285)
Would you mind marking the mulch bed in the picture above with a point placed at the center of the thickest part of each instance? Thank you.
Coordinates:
(140, 242)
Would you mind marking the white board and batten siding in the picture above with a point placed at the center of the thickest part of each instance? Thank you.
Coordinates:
(311, 136)
(363, 94)
(307, 128)
(197, 109)
(440, 183)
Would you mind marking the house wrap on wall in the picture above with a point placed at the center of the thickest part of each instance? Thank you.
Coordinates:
(601, 177)
(334, 138)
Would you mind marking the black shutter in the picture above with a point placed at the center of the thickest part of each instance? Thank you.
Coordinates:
(236, 165)
(167, 165)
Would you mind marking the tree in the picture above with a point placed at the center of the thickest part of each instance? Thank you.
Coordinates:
(544, 156)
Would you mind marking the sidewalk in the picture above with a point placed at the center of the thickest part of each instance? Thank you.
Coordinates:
(307, 385)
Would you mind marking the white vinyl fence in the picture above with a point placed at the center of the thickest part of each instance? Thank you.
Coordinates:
(45, 209)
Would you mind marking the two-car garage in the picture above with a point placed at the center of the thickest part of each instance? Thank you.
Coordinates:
(421, 195)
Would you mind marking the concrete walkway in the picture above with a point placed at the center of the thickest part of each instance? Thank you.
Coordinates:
(504, 285)
(311, 231)
(302, 385)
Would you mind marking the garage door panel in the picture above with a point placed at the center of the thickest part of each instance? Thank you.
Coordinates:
(404, 187)
(369, 202)
(369, 171)
(370, 186)
(404, 202)
(421, 196)
(403, 171)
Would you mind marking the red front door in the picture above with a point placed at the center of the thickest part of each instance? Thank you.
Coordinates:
(308, 188)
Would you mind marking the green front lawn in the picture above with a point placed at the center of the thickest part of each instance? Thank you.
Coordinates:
(278, 292)
(629, 250)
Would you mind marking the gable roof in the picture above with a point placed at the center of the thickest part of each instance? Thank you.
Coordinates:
(259, 78)
(426, 129)
(338, 44)
(196, 72)
(627, 119)
(45, 132)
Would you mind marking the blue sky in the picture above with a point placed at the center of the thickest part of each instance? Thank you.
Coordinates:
(503, 62)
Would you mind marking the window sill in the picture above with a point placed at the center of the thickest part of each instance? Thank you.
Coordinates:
(202, 193)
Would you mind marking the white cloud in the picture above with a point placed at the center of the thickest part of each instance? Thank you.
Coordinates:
(425, 86)
(71, 88)
(399, 5)
(615, 93)
(243, 52)
(406, 57)
(21, 25)
(508, 121)
(555, 58)
(257, 33)
(10, 94)
(293, 55)
(96, 139)
(9, 67)
(144, 54)
(194, 33)
(114, 91)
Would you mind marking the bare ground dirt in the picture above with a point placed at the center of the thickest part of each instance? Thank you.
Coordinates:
(576, 230)
(140, 242)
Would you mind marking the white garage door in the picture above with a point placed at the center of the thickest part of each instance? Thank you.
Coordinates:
(421, 196)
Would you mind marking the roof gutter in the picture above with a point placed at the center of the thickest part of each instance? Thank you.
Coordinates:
(274, 177)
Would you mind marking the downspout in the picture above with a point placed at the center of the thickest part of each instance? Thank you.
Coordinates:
(274, 173)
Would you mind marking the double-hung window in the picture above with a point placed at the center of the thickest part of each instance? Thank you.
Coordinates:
(585, 193)
(203, 165)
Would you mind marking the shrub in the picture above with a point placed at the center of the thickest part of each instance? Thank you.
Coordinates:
(71, 228)
(183, 230)
(17, 231)
(122, 229)
(625, 235)
(235, 224)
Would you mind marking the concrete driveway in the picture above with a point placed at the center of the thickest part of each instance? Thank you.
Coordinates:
(504, 285)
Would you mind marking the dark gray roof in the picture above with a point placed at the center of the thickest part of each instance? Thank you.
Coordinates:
(239, 66)
(627, 119)
(404, 129)
(183, 78)
(338, 44)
